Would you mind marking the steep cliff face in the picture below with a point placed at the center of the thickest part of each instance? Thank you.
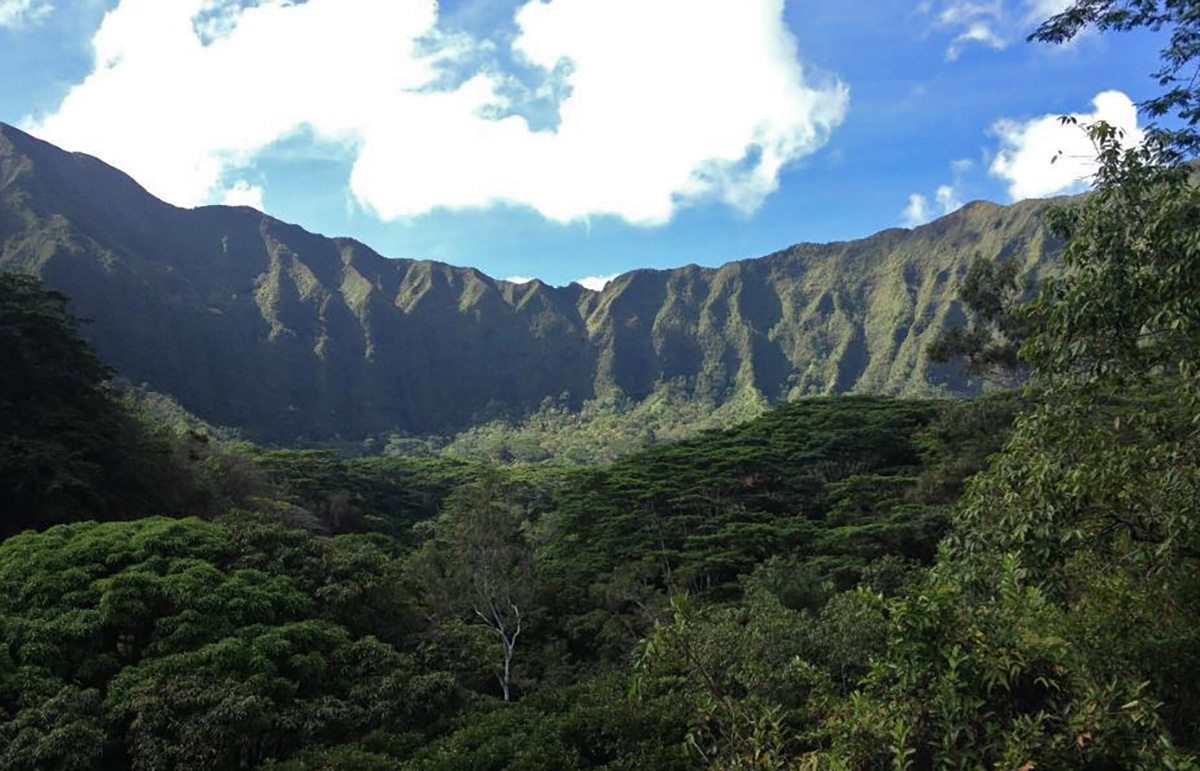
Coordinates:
(252, 322)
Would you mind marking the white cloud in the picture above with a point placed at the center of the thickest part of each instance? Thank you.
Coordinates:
(995, 24)
(660, 103)
(978, 32)
(920, 211)
(519, 279)
(1040, 10)
(946, 199)
(13, 13)
(595, 283)
(242, 193)
(1042, 157)
(917, 212)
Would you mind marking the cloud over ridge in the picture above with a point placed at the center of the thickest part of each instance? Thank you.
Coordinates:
(663, 104)
(1042, 157)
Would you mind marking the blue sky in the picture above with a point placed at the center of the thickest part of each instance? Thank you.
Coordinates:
(566, 139)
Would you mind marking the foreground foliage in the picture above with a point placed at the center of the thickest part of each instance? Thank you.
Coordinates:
(1060, 625)
(197, 645)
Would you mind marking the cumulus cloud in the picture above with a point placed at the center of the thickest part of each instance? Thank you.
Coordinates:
(946, 199)
(917, 212)
(595, 283)
(519, 279)
(920, 210)
(656, 104)
(242, 193)
(995, 24)
(1042, 157)
(13, 13)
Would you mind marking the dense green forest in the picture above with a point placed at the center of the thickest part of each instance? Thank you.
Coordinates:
(843, 583)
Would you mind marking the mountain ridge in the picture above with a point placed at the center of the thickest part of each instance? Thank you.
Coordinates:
(253, 322)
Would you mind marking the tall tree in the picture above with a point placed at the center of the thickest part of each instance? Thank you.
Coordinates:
(485, 560)
(1128, 304)
(60, 431)
(991, 346)
(1060, 626)
(994, 294)
(1179, 72)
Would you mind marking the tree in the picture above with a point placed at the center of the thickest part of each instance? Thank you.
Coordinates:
(1178, 73)
(1060, 627)
(485, 561)
(70, 449)
(185, 644)
(993, 292)
(62, 733)
(1128, 304)
(1062, 621)
(992, 346)
(61, 430)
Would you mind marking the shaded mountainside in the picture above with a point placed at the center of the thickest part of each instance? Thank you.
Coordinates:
(255, 323)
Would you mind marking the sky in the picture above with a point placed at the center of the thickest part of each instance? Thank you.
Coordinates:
(573, 140)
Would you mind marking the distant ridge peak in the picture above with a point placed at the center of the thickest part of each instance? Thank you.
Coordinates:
(252, 322)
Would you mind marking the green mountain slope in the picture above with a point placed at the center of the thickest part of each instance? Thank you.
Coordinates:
(255, 323)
